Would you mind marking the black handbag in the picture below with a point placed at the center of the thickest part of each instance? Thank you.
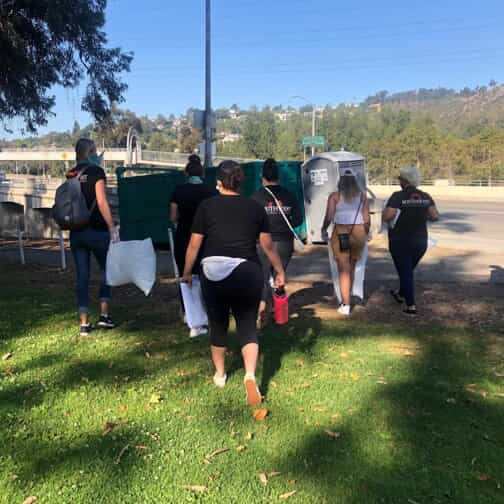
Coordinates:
(344, 238)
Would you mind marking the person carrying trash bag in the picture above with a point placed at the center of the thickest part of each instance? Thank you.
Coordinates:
(284, 214)
(227, 228)
(183, 205)
(407, 212)
(348, 210)
(92, 236)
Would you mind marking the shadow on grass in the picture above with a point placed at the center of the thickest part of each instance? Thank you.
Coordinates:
(299, 335)
(443, 435)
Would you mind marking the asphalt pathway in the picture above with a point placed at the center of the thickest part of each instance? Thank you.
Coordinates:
(470, 225)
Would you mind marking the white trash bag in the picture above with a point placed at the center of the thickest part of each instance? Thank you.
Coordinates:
(132, 262)
(192, 296)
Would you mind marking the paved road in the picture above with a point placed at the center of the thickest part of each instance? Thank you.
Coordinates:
(470, 225)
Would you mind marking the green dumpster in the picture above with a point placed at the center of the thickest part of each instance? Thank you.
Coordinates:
(144, 201)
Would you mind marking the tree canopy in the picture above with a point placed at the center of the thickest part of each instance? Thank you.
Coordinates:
(45, 43)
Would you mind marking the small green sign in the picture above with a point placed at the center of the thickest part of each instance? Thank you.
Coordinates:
(314, 141)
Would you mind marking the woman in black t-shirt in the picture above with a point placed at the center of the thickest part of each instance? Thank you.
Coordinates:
(407, 212)
(281, 234)
(184, 202)
(95, 237)
(227, 228)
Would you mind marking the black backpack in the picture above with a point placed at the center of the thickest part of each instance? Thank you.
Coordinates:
(70, 210)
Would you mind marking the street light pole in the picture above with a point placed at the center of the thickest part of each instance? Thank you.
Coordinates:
(208, 85)
(313, 118)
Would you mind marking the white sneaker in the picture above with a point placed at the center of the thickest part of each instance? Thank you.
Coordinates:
(219, 381)
(197, 331)
(344, 310)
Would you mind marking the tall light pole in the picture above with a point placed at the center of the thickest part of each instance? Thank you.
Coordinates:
(313, 117)
(208, 85)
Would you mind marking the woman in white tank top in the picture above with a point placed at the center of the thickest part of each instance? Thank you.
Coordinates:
(348, 210)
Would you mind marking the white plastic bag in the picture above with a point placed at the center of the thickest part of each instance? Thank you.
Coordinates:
(192, 297)
(132, 262)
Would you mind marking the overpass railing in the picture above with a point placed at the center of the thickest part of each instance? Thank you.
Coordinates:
(444, 183)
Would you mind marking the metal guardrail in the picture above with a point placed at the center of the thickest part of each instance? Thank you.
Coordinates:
(53, 149)
(444, 183)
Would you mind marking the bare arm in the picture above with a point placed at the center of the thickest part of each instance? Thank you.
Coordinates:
(389, 214)
(191, 255)
(365, 215)
(174, 213)
(332, 201)
(267, 245)
(432, 213)
(103, 205)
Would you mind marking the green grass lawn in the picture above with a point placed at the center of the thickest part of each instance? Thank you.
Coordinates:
(358, 412)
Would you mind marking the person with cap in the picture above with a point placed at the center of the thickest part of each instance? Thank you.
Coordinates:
(407, 212)
(348, 210)
(284, 214)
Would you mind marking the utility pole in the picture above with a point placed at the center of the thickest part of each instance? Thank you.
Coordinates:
(313, 118)
(208, 85)
(313, 129)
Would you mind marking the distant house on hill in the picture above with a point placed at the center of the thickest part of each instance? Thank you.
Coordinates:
(231, 137)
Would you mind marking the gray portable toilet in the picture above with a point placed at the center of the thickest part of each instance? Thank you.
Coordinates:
(321, 175)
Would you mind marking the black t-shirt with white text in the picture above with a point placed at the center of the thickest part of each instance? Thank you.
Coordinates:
(231, 226)
(279, 229)
(414, 205)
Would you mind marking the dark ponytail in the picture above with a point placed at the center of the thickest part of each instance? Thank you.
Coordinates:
(231, 175)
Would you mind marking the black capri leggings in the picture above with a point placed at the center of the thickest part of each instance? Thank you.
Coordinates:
(240, 294)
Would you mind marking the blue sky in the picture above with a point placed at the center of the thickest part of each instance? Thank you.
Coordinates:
(265, 51)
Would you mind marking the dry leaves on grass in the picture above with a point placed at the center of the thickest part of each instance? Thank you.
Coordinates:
(195, 488)
(155, 398)
(7, 356)
(332, 434)
(260, 414)
(9, 371)
(214, 453)
(108, 428)
(264, 478)
(483, 477)
(287, 495)
(241, 448)
(30, 500)
(249, 436)
(121, 453)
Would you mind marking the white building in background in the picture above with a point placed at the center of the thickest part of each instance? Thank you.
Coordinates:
(234, 113)
(231, 137)
(283, 116)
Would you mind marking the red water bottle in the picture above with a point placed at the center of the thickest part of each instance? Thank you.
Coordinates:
(281, 305)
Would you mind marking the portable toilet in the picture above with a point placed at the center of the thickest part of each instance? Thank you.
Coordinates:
(320, 175)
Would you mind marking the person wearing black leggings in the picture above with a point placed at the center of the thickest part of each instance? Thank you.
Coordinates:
(407, 212)
(227, 228)
(287, 208)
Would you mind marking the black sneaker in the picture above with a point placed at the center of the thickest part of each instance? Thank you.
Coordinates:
(410, 310)
(105, 322)
(85, 330)
(395, 294)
